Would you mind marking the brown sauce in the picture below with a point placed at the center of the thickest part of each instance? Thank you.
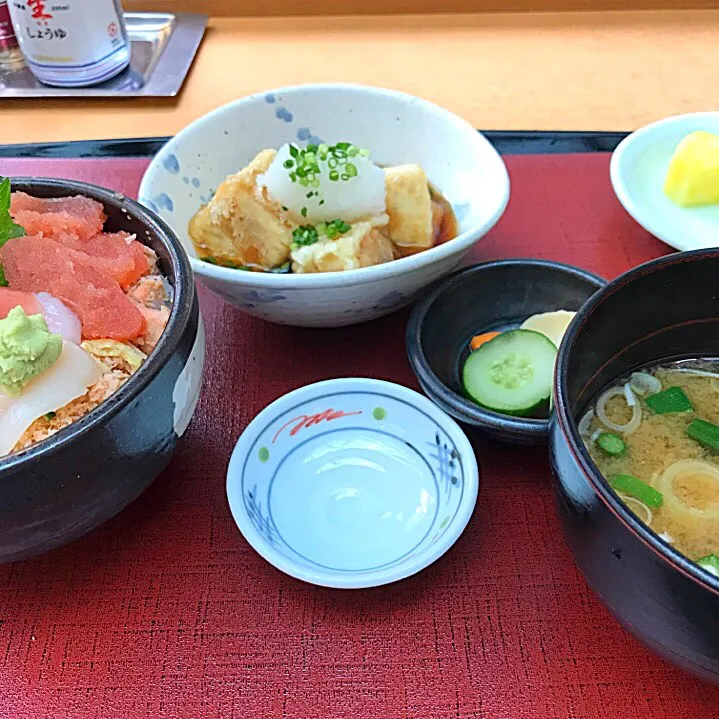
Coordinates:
(444, 224)
(443, 217)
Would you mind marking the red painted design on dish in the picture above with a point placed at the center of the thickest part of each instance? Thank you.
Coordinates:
(308, 420)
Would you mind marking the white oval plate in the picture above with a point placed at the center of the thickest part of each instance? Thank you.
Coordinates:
(352, 483)
(638, 169)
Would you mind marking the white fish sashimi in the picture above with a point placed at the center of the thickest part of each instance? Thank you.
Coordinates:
(68, 379)
(360, 196)
(60, 319)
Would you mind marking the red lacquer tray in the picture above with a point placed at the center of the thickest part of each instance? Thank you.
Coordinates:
(166, 611)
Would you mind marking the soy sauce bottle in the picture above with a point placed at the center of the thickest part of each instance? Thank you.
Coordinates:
(71, 43)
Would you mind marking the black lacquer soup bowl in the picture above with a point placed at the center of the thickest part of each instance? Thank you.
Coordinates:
(64, 486)
(665, 310)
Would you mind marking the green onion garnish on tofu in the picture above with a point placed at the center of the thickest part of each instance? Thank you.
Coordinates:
(337, 228)
(304, 235)
(305, 165)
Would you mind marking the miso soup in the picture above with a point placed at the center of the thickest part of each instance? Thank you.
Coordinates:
(655, 438)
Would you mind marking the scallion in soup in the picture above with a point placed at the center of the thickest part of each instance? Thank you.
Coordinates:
(655, 437)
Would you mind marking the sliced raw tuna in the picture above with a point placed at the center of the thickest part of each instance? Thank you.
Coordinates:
(9, 299)
(39, 264)
(61, 217)
(115, 253)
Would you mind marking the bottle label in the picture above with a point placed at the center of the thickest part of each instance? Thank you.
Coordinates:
(72, 34)
(7, 35)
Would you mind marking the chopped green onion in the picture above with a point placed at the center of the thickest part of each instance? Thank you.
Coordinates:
(710, 563)
(304, 236)
(611, 443)
(303, 212)
(336, 228)
(50, 415)
(634, 487)
(282, 269)
(224, 263)
(706, 433)
(304, 165)
(670, 400)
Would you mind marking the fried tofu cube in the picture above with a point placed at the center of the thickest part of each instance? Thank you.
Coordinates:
(242, 224)
(363, 246)
(210, 240)
(409, 206)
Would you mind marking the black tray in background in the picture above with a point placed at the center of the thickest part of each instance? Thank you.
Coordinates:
(507, 142)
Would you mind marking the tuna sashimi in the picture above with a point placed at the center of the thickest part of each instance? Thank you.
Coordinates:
(39, 264)
(9, 299)
(75, 217)
(114, 253)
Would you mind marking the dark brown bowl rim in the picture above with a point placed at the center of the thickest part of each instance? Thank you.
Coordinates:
(568, 426)
(462, 408)
(180, 314)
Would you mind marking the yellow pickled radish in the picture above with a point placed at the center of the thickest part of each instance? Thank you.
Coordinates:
(552, 325)
(693, 175)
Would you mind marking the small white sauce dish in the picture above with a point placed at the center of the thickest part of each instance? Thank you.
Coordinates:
(395, 127)
(352, 483)
(638, 169)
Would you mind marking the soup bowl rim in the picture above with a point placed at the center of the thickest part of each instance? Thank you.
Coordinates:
(177, 324)
(568, 425)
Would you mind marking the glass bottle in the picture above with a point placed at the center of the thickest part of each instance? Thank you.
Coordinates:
(74, 43)
(10, 55)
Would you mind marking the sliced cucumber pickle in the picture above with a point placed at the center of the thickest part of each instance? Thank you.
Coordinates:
(512, 373)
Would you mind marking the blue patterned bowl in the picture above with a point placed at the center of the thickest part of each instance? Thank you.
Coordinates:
(397, 128)
(352, 483)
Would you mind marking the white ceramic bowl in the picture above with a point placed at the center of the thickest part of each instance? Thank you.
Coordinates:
(352, 483)
(396, 128)
(638, 169)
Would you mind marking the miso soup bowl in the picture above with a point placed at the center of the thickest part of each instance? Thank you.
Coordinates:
(667, 309)
(62, 487)
(397, 128)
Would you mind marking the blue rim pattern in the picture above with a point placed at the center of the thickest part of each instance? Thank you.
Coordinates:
(446, 455)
